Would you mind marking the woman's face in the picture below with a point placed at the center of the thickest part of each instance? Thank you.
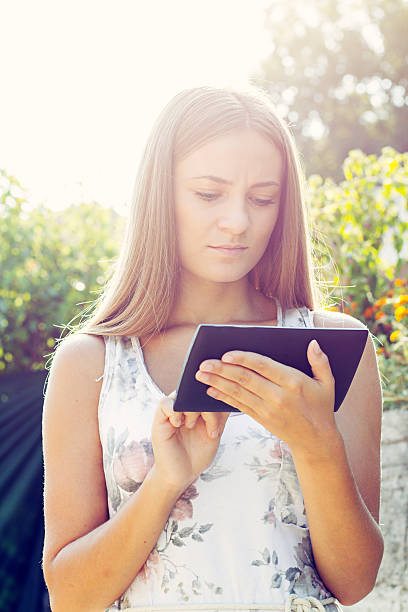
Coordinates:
(227, 194)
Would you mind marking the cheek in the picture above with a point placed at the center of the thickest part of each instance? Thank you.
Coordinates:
(183, 221)
(190, 230)
(192, 219)
(261, 246)
(266, 228)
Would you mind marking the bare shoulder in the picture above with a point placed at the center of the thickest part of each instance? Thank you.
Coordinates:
(367, 374)
(367, 369)
(328, 318)
(85, 353)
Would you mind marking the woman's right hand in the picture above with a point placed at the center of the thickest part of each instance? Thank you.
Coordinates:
(184, 443)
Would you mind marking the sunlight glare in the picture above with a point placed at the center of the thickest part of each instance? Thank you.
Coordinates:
(86, 80)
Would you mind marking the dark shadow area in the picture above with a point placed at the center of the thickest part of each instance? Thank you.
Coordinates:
(22, 586)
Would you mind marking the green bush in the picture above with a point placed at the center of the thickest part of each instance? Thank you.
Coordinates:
(51, 263)
(363, 228)
(363, 220)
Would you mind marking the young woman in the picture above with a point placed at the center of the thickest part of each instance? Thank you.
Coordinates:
(274, 507)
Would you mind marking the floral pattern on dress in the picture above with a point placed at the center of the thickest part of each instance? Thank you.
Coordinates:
(132, 463)
(302, 579)
(215, 470)
(176, 535)
(262, 435)
(287, 507)
(126, 465)
(127, 375)
(289, 499)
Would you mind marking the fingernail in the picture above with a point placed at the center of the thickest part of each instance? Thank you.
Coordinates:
(316, 348)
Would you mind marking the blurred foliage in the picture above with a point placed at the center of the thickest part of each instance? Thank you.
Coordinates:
(338, 73)
(54, 262)
(364, 222)
(388, 317)
(51, 263)
(361, 245)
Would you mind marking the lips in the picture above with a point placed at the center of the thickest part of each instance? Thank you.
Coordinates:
(229, 246)
(229, 251)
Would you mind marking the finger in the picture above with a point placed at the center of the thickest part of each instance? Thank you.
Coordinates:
(227, 391)
(222, 418)
(319, 363)
(248, 379)
(272, 370)
(190, 419)
(231, 401)
(162, 427)
(211, 423)
(244, 385)
(166, 405)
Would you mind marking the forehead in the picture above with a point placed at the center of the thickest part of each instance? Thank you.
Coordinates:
(233, 155)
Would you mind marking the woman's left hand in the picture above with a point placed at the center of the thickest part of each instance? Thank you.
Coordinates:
(295, 407)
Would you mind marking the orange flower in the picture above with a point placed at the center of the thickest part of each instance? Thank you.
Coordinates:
(403, 299)
(353, 305)
(395, 335)
(379, 315)
(379, 351)
(399, 282)
(390, 293)
(381, 301)
(368, 312)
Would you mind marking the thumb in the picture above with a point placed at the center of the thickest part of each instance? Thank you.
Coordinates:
(319, 363)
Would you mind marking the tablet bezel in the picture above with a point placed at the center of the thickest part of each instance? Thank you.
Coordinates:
(343, 346)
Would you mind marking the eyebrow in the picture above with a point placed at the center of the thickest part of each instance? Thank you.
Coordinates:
(217, 179)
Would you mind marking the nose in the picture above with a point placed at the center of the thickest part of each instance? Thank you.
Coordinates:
(234, 217)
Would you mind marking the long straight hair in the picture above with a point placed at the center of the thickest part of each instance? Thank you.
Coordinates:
(138, 298)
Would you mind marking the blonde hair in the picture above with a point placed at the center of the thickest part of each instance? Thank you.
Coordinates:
(138, 298)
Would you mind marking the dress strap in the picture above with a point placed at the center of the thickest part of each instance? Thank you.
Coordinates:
(278, 312)
(310, 314)
(110, 349)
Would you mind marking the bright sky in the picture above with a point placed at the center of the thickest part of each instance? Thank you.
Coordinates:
(83, 80)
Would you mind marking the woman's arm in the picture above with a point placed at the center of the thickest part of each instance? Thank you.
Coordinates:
(336, 456)
(88, 560)
(340, 483)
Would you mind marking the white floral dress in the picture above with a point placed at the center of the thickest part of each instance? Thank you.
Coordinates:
(239, 533)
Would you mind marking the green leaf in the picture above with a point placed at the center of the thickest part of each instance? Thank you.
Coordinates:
(204, 528)
(177, 541)
(186, 531)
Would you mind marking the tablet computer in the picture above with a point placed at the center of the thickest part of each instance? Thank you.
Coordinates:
(288, 345)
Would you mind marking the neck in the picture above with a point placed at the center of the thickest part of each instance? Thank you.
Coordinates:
(200, 301)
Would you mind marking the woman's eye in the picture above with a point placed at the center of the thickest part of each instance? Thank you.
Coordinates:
(206, 196)
(264, 202)
(212, 196)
